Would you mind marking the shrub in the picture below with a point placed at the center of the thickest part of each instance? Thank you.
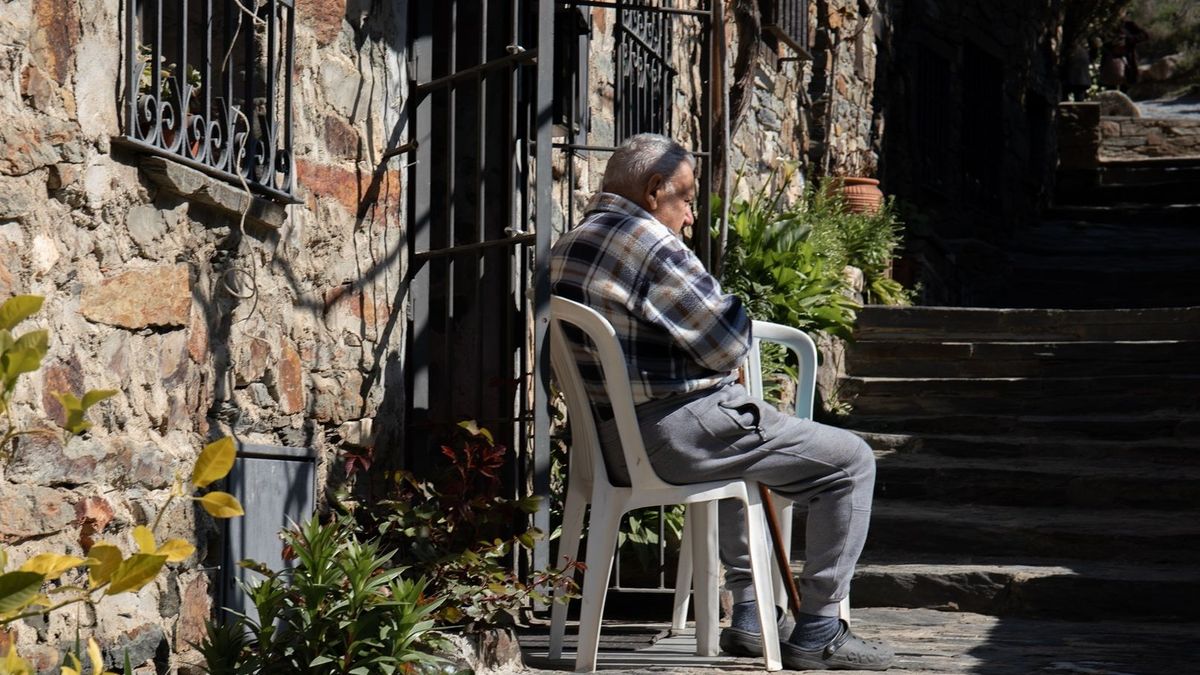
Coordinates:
(346, 607)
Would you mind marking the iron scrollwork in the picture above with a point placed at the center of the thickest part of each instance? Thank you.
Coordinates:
(209, 84)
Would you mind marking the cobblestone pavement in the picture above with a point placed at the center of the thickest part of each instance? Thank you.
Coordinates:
(926, 642)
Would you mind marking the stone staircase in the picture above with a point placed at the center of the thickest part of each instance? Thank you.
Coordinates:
(1045, 461)
(1125, 234)
(1031, 462)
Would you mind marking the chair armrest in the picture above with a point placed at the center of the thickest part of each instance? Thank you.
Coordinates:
(805, 350)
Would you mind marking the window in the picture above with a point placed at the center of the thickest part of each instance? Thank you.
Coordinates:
(787, 20)
(645, 77)
(209, 84)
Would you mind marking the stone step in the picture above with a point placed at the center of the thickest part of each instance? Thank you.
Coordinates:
(1131, 213)
(1073, 590)
(879, 358)
(1029, 396)
(1149, 171)
(1146, 452)
(1058, 238)
(1154, 190)
(920, 528)
(1024, 325)
(1063, 287)
(1037, 481)
(1116, 426)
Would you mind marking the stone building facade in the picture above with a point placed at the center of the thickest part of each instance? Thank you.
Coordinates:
(216, 310)
(275, 329)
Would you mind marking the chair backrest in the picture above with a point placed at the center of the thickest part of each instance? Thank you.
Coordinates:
(802, 345)
(616, 385)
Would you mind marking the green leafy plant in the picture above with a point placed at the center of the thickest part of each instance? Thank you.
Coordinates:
(50, 581)
(460, 532)
(346, 607)
(778, 273)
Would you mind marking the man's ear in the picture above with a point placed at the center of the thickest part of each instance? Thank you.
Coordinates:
(653, 186)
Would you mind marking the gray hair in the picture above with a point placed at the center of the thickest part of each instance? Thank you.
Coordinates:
(638, 159)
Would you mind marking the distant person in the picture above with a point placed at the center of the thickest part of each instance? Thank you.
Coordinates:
(1118, 56)
(1077, 78)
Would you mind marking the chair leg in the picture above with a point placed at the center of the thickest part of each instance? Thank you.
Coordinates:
(568, 548)
(705, 579)
(602, 540)
(683, 574)
(760, 566)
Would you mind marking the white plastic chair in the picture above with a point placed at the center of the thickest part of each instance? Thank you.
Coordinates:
(806, 385)
(588, 483)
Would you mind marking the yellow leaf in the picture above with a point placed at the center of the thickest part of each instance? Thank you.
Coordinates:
(93, 652)
(51, 565)
(134, 572)
(221, 505)
(103, 559)
(3, 560)
(75, 668)
(473, 428)
(214, 462)
(144, 539)
(14, 664)
(176, 550)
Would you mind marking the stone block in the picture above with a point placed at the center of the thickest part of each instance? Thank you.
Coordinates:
(289, 379)
(41, 459)
(326, 17)
(324, 180)
(250, 358)
(92, 515)
(145, 224)
(20, 195)
(195, 606)
(200, 188)
(341, 83)
(341, 139)
(60, 378)
(33, 510)
(55, 36)
(31, 142)
(159, 296)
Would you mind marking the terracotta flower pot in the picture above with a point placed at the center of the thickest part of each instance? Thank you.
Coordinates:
(861, 195)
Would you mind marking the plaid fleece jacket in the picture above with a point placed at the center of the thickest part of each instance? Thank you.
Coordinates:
(678, 331)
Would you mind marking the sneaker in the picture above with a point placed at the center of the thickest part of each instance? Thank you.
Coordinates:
(739, 642)
(846, 652)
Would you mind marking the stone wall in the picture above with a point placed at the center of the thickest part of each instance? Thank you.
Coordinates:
(814, 117)
(1125, 138)
(207, 327)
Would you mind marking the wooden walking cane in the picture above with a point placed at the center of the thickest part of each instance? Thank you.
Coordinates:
(781, 557)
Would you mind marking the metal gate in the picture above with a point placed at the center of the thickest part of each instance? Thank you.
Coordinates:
(491, 84)
(644, 66)
(479, 228)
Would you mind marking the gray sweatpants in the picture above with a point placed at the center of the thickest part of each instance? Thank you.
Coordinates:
(724, 433)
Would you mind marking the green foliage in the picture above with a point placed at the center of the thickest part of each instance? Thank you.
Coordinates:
(457, 530)
(778, 273)
(1174, 28)
(346, 607)
(639, 538)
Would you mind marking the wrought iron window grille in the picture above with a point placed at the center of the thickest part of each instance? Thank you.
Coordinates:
(787, 20)
(208, 83)
(645, 75)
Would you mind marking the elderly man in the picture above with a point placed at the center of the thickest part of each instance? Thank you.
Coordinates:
(684, 340)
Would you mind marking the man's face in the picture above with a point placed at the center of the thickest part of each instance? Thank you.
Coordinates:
(672, 206)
